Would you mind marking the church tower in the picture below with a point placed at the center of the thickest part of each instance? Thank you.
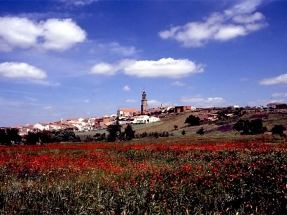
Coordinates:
(144, 107)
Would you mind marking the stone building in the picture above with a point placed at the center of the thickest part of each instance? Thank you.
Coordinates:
(144, 106)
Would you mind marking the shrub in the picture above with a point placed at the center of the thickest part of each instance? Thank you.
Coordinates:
(200, 131)
(192, 120)
(249, 127)
(278, 129)
(114, 132)
(45, 136)
(129, 132)
(32, 138)
(67, 135)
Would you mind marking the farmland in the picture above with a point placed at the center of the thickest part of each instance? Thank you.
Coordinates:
(187, 175)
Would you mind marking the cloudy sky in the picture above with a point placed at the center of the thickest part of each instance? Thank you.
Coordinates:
(85, 58)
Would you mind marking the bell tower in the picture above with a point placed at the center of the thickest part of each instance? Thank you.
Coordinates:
(144, 107)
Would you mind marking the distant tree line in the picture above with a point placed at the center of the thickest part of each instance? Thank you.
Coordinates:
(115, 133)
(11, 136)
(255, 126)
(153, 135)
(249, 127)
(244, 127)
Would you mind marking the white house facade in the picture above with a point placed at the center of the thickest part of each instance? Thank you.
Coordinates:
(42, 126)
(144, 119)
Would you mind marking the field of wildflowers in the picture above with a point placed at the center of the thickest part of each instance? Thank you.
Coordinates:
(167, 176)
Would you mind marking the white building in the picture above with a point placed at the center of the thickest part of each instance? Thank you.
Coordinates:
(42, 126)
(144, 119)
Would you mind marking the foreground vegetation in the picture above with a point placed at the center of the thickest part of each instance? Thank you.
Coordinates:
(191, 175)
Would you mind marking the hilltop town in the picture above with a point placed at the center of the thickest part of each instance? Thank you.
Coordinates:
(123, 116)
(144, 115)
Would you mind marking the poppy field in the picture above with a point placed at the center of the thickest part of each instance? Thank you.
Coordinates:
(166, 176)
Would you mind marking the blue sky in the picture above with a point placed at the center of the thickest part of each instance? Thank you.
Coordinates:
(64, 58)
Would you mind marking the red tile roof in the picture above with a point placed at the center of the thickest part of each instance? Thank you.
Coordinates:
(128, 110)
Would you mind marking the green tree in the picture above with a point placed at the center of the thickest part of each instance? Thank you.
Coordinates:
(278, 129)
(192, 120)
(3, 137)
(32, 138)
(114, 132)
(249, 127)
(100, 137)
(239, 125)
(66, 135)
(200, 131)
(129, 132)
(13, 136)
(223, 114)
(256, 126)
(45, 136)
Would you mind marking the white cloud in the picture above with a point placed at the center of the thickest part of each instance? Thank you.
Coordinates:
(61, 34)
(178, 83)
(103, 69)
(126, 88)
(87, 101)
(110, 69)
(165, 67)
(125, 51)
(279, 95)
(153, 103)
(244, 79)
(229, 31)
(281, 79)
(257, 103)
(198, 101)
(131, 101)
(31, 99)
(21, 70)
(246, 6)
(18, 32)
(43, 82)
(52, 34)
(237, 21)
(114, 48)
(248, 18)
(77, 2)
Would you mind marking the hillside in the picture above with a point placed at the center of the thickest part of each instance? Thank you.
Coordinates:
(216, 128)
(168, 123)
(220, 128)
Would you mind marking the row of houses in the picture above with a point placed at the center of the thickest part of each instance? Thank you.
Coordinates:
(85, 124)
(277, 105)
(130, 112)
(77, 124)
(134, 116)
(125, 115)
